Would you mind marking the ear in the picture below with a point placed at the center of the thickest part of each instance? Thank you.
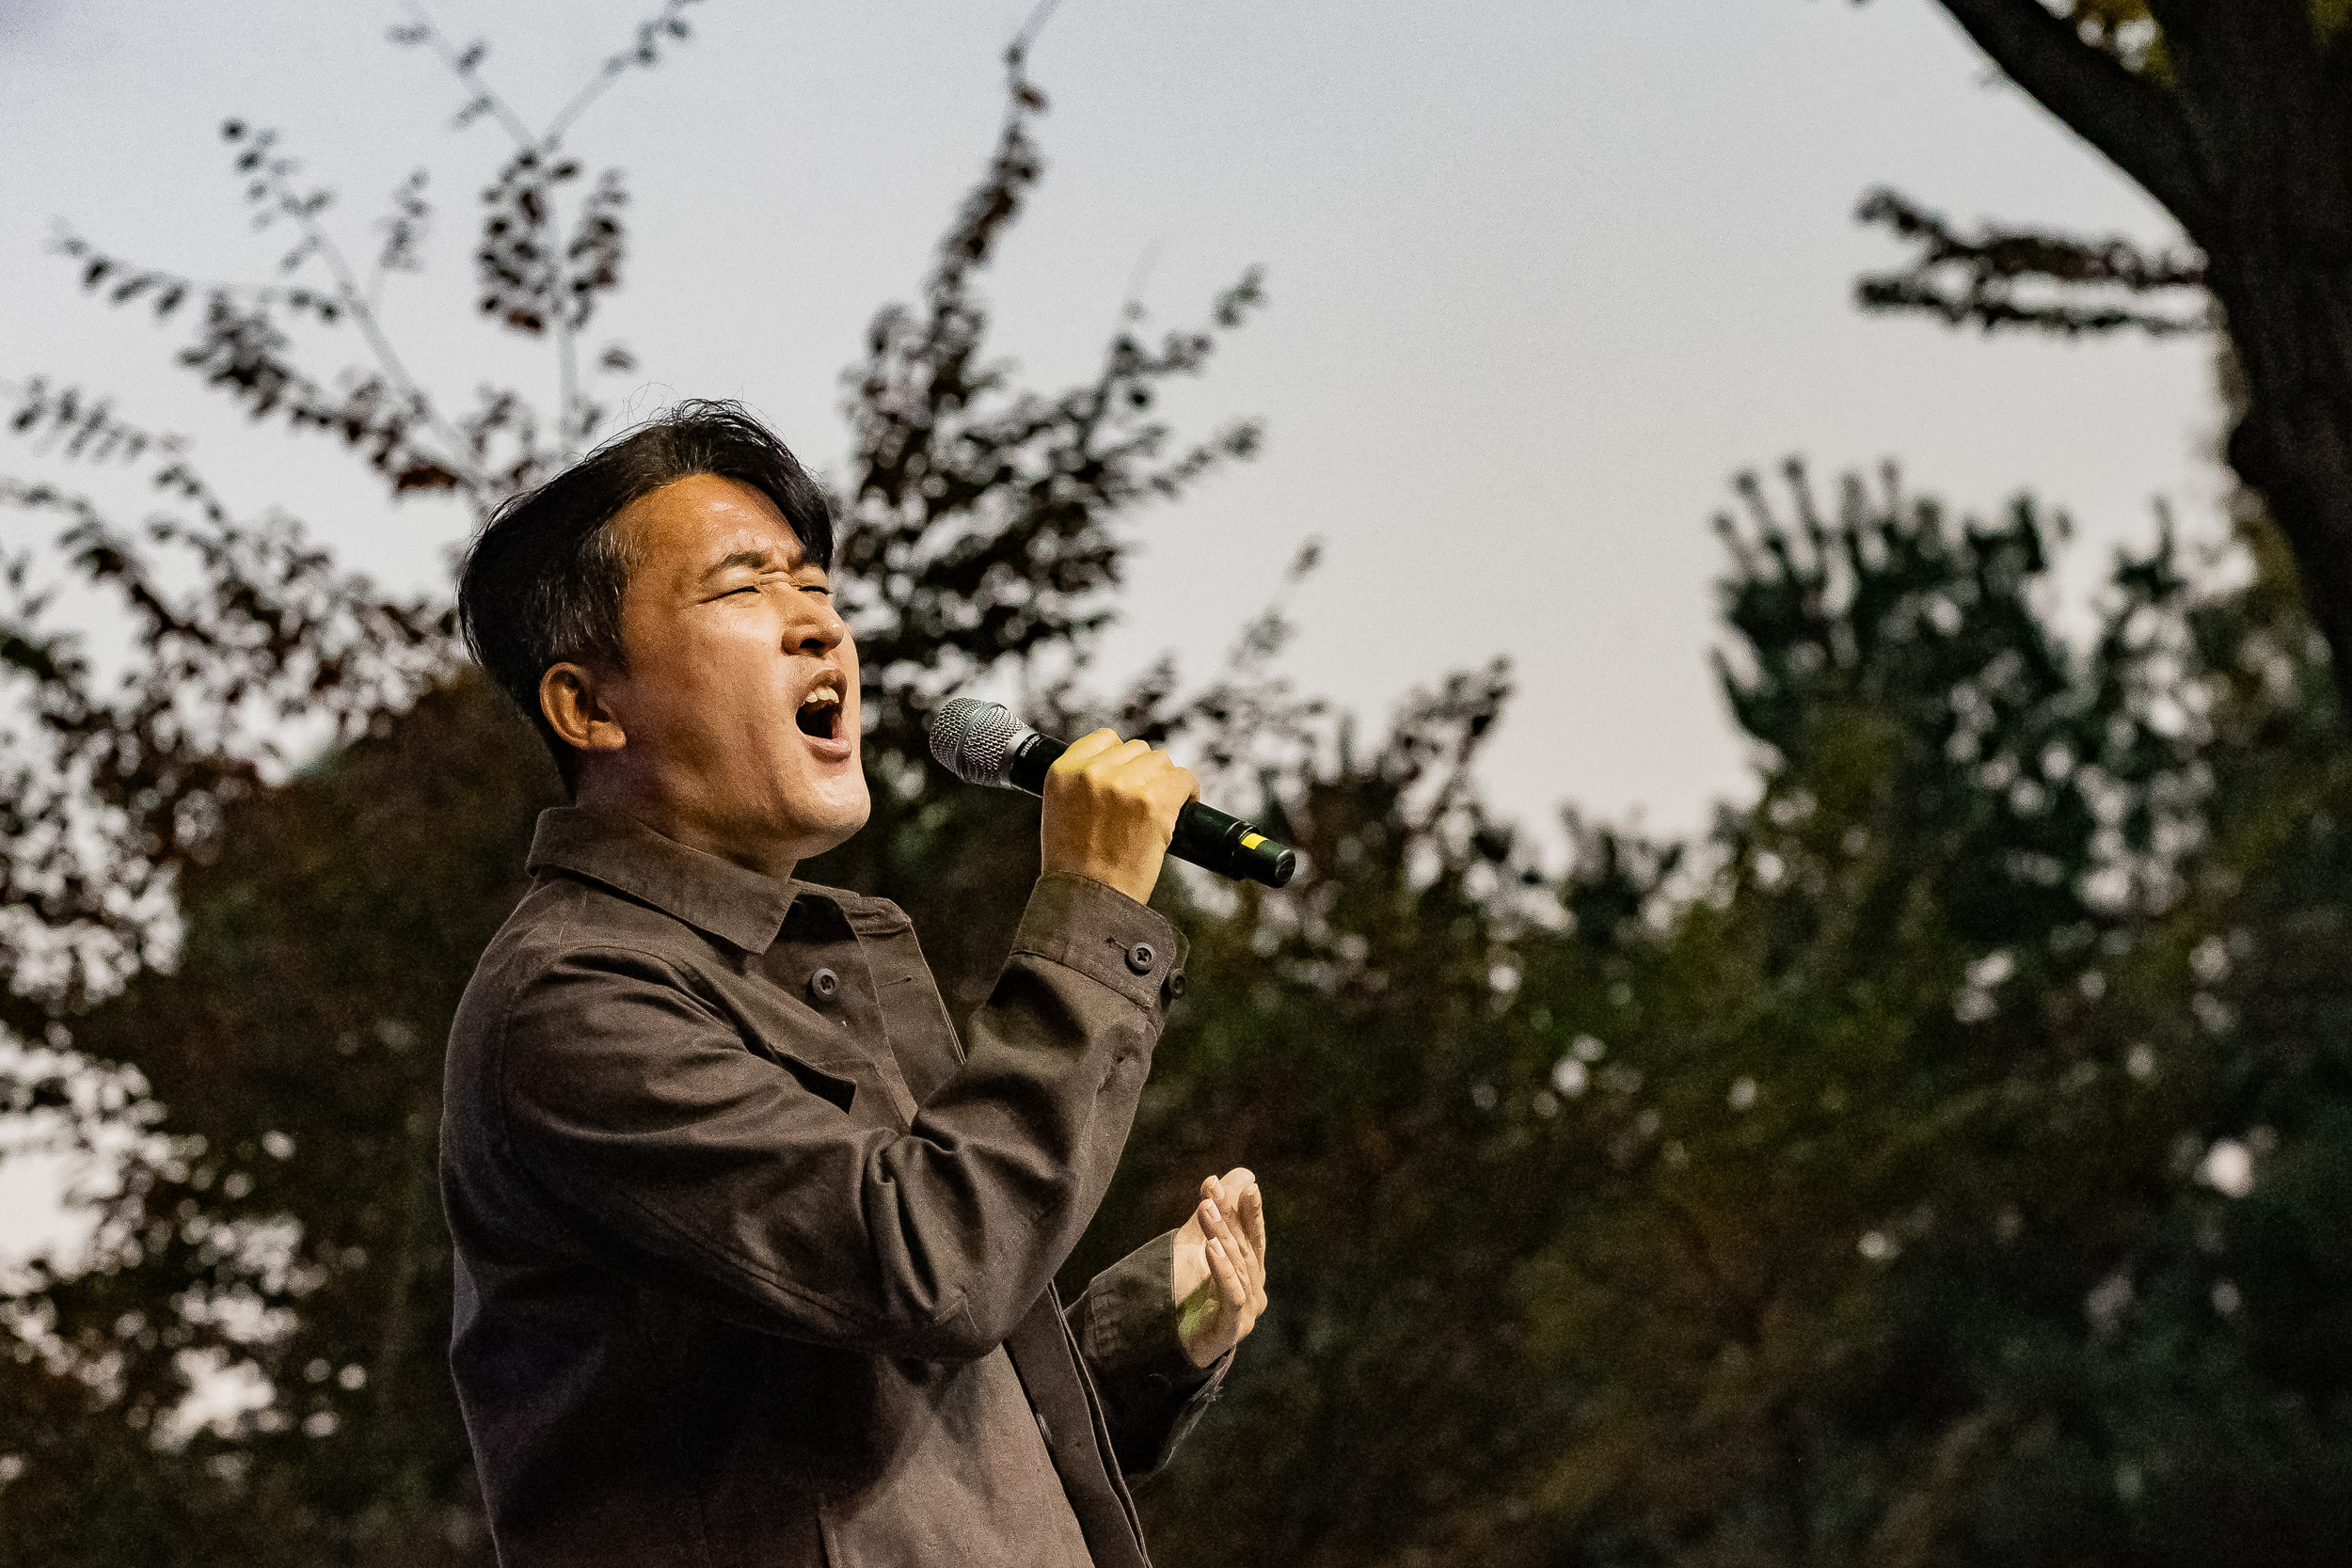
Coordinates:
(574, 703)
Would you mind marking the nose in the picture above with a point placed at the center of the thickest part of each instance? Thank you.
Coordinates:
(818, 629)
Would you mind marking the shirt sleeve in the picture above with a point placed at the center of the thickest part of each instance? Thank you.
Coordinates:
(1125, 1325)
(630, 1101)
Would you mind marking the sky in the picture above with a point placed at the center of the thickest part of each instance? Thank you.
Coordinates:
(1544, 275)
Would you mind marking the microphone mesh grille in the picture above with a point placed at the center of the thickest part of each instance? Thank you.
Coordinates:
(973, 740)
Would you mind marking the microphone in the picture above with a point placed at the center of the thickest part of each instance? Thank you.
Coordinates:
(982, 743)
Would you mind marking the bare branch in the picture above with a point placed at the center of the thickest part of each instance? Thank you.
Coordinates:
(2128, 118)
(465, 65)
(276, 173)
(1017, 52)
(1977, 279)
(668, 24)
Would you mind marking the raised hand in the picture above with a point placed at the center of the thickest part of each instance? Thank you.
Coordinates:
(1219, 1276)
(1111, 810)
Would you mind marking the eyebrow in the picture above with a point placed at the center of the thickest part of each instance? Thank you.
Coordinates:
(757, 560)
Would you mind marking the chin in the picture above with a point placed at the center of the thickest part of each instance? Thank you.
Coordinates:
(837, 820)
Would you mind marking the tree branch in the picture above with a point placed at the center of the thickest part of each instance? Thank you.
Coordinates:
(2077, 285)
(355, 301)
(556, 298)
(2128, 118)
(465, 64)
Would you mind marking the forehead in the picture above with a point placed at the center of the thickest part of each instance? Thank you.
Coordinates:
(688, 526)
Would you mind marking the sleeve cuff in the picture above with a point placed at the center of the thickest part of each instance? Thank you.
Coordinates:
(1102, 933)
(1131, 1328)
(1126, 1328)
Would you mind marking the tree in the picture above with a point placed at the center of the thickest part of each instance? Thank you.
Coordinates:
(1869, 1184)
(1943, 1160)
(274, 1058)
(2230, 114)
(1903, 1239)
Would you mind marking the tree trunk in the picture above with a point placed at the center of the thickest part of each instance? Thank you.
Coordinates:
(2290, 321)
(2246, 137)
(2261, 90)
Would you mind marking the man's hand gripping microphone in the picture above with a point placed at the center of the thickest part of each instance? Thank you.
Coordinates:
(982, 743)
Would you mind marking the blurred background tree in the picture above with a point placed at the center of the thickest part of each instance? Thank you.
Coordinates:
(1942, 1161)
(2230, 112)
(240, 984)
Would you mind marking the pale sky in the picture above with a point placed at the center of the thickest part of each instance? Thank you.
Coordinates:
(1543, 276)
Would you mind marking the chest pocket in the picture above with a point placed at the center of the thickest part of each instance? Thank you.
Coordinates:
(824, 1084)
(824, 1056)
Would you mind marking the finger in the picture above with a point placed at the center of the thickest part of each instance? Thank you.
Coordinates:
(1238, 1192)
(1220, 1223)
(1138, 770)
(1229, 1287)
(1252, 1207)
(1237, 1302)
(1085, 749)
(1115, 763)
(1246, 1212)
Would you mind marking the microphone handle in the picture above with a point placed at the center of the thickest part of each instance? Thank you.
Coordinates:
(1204, 836)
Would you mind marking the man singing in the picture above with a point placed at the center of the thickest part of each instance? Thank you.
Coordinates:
(754, 1257)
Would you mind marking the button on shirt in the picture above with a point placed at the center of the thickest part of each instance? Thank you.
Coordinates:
(755, 1261)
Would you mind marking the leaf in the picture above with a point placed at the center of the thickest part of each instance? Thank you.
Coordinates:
(424, 476)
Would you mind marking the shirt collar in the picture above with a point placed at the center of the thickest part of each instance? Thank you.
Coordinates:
(732, 903)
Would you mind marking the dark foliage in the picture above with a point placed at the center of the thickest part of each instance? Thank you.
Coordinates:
(271, 1098)
(1944, 1161)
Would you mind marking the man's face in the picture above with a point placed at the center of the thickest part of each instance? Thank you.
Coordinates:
(740, 700)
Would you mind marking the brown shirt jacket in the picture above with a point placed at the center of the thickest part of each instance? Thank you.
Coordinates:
(755, 1260)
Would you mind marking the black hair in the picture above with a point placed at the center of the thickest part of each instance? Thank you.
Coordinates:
(543, 582)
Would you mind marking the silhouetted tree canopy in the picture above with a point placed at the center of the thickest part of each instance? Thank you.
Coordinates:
(1942, 1160)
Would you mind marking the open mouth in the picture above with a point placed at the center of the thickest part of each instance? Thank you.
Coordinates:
(819, 713)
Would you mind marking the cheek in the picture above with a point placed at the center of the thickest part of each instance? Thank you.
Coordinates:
(717, 687)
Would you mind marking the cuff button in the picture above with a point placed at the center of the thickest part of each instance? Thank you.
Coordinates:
(1139, 958)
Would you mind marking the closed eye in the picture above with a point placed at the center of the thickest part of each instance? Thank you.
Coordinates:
(755, 587)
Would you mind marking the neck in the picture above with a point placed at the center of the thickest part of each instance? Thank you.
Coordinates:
(680, 821)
